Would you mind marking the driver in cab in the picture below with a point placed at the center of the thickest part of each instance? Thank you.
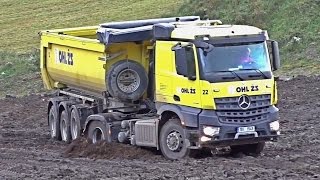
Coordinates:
(252, 59)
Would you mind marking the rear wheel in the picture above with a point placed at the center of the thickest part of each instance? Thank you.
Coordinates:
(249, 149)
(97, 132)
(75, 125)
(54, 124)
(65, 127)
(172, 140)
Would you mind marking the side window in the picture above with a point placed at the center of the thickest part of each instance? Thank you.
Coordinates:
(180, 60)
(270, 51)
(191, 66)
(185, 62)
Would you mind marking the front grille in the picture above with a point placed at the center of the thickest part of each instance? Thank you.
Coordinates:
(228, 109)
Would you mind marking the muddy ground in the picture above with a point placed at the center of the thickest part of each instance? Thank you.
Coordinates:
(27, 152)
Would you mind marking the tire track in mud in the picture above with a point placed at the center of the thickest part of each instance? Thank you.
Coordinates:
(26, 151)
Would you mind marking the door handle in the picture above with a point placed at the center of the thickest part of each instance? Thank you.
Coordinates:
(176, 98)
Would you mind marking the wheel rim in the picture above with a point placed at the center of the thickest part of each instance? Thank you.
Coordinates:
(74, 128)
(174, 141)
(128, 81)
(97, 135)
(52, 125)
(64, 130)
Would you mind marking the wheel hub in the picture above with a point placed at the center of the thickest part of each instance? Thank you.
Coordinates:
(128, 81)
(174, 141)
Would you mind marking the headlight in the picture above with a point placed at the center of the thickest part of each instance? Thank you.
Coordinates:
(275, 126)
(205, 139)
(210, 130)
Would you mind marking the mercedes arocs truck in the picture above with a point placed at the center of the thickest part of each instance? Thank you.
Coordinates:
(176, 84)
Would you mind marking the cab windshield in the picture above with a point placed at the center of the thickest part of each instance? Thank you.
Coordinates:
(241, 61)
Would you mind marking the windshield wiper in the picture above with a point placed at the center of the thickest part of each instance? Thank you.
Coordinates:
(257, 70)
(234, 73)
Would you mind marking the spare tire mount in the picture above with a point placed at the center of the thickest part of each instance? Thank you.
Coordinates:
(127, 80)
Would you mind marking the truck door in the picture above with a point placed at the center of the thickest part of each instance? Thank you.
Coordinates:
(186, 80)
(177, 79)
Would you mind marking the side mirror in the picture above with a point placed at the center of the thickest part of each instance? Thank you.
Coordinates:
(275, 55)
(185, 61)
(206, 47)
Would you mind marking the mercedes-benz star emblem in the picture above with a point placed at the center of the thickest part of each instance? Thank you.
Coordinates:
(244, 102)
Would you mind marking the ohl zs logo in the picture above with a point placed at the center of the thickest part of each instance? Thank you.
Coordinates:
(63, 57)
(243, 89)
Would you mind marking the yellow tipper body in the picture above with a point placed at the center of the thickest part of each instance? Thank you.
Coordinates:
(75, 58)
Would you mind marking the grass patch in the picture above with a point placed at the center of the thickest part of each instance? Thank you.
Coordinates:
(13, 64)
(21, 20)
(19, 73)
(294, 23)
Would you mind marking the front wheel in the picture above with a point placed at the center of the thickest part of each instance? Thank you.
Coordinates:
(173, 140)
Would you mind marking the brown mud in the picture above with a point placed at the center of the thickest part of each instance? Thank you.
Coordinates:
(27, 152)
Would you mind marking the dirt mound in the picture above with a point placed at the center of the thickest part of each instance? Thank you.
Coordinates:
(103, 150)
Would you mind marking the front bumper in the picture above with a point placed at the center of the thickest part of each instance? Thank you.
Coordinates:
(229, 138)
(232, 142)
(228, 135)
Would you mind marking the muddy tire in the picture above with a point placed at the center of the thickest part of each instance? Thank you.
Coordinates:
(75, 124)
(127, 80)
(172, 140)
(97, 132)
(65, 127)
(248, 149)
(54, 124)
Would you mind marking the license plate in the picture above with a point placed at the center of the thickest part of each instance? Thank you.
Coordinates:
(246, 129)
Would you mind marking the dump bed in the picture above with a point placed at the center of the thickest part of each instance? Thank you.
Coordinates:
(75, 58)
(81, 57)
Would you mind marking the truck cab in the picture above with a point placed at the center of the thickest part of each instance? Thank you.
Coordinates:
(218, 80)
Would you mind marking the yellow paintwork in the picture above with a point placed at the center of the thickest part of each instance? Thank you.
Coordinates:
(169, 83)
(86, 72)
(228, 89)
(275, 93)
(91, 59)
(78, 32)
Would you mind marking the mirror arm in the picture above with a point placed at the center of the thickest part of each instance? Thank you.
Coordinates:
(192, 78)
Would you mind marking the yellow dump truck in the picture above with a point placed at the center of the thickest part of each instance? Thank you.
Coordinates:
(176, 84)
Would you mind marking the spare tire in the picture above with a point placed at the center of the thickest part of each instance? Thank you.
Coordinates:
(127, 80)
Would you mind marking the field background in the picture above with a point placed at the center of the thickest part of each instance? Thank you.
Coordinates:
(294, 23)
